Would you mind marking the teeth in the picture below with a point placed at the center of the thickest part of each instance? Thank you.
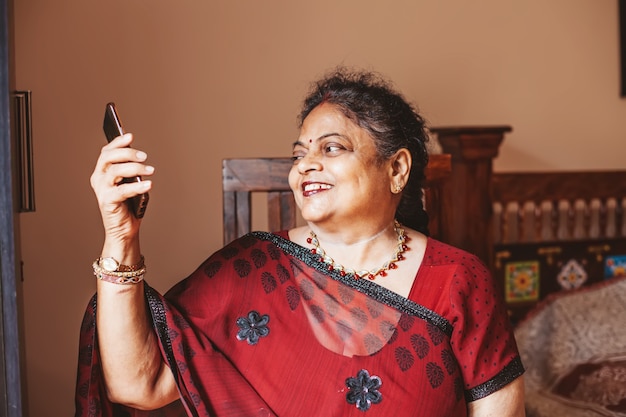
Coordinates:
(317, 186)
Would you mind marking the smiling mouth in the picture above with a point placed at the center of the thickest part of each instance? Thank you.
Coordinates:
(313, 188)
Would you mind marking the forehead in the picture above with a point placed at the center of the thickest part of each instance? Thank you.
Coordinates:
(327, 118)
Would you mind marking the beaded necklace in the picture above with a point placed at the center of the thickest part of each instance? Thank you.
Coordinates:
(401, 247)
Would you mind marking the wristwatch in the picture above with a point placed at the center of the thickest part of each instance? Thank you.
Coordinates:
(108, 264)
(112, 265)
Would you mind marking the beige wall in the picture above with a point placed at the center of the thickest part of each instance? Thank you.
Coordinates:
(198, 81)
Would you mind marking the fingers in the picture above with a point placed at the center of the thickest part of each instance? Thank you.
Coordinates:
(124, 190)
(121, 141)
(119, 150)
(117, 163)
(116, 173)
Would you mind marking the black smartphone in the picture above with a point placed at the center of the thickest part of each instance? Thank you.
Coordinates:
(113, 128)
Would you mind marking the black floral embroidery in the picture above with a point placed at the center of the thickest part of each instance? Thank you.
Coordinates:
(211, 269)
(242, 267)
(435, 333)
(94, 407)
(331, 304)
(372, 343)
(318, 313)
(406, 322)
(449, 361)
(269, 282)
(388, 331)
(363, 390)
(186, 351)
(296, 267)
(181, 323)
(308, 290)
(346, 294)
(273, 251)
(282, 273)
(420, 345)
(320, 279)
(404, 358)
(259, 258)
(359, 318)
(83, 391)
(229, 252)
(293, 297)
(435, 374)
(182, 365)
(253, 327)
(197, 400)
(248, 241)
(374, 307)
(173, 334)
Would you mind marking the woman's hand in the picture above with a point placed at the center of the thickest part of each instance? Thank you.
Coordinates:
(116, 162)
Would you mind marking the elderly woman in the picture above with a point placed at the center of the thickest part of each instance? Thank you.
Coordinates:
(356, 312)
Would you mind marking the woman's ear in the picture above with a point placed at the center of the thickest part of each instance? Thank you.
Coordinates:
(400, 168)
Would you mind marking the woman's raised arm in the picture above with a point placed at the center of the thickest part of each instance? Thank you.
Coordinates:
(134, 371)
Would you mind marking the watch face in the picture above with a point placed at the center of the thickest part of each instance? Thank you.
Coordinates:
(109, 264)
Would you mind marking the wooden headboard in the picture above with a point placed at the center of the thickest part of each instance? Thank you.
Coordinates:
(539, 232)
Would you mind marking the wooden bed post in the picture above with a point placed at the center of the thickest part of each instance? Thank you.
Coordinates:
(467, 194)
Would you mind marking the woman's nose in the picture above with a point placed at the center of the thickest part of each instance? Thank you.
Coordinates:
(311, 161)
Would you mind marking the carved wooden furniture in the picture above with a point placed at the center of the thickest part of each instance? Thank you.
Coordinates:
(540, 232)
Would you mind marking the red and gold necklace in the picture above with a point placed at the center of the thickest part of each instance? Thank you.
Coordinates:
(369, 274)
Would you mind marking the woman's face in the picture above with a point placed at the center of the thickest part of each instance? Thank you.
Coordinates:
(337, 177)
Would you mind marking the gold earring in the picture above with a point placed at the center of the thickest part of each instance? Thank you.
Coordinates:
(397, 189)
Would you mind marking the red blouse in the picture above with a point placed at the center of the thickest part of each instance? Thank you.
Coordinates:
(263, 328)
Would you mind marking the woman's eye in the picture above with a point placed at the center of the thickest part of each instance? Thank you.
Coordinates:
(333, 148)
(297, 156)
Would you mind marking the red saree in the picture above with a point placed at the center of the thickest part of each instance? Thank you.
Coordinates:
(263, 329)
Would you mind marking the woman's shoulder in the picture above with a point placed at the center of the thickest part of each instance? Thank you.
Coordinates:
(441, 253)
(226, 270)
(251, 243)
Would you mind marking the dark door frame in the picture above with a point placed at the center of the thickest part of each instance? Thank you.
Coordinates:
(10, 352)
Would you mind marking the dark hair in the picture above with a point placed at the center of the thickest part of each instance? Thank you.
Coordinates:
(373, 104)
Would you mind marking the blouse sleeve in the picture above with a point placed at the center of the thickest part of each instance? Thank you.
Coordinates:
(482, 337)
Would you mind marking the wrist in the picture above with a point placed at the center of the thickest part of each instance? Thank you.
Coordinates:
(124, 252)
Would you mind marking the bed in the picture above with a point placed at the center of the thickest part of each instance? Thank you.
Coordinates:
(556, 244)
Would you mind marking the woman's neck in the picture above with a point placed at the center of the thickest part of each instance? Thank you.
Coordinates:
(360, 249)
(347, 238)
